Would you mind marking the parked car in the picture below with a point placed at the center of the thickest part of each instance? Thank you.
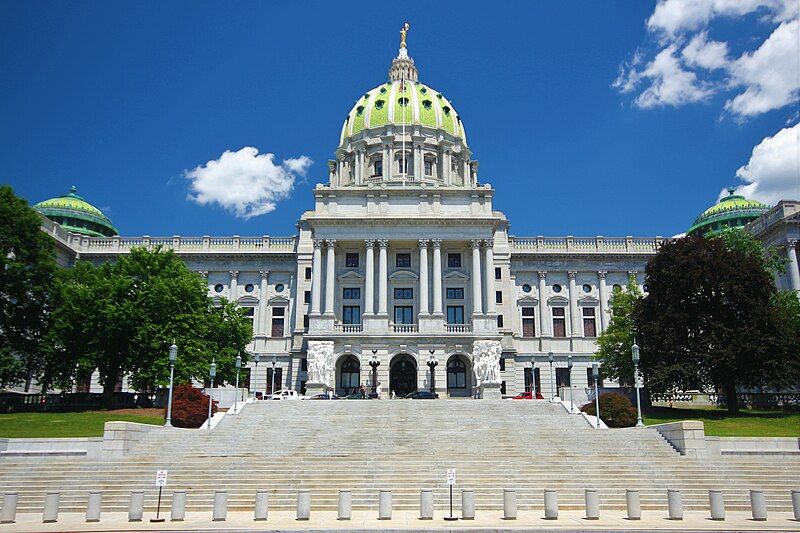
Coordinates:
(355, 396)
(285, 394)
(422, 395)
(527, 396)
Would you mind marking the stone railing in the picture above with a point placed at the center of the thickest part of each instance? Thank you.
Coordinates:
(403, 328)
(348, 328)
(585, 244)
(178, 243)
(458, 328)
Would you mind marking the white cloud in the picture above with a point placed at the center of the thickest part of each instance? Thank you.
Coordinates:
(773, 172)
(670, 83)
(771, 74)
(700, 52)
(672, 17)
(245, 182)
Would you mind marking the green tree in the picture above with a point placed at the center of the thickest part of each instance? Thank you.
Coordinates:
(709, 319)
(615, 342)
(27, 268)
(739, 240)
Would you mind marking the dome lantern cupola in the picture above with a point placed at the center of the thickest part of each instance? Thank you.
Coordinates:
(77, 215)
(732, 211)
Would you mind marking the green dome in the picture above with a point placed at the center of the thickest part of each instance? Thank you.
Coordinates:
(77, 215)
(414, 104)
(733, 211)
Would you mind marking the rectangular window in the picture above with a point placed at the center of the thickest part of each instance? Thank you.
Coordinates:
(499, 321)
(559, 322)
(454, 260)
(250, 313)
(589, 324)
(402, 260)
(528, 324)
(403, 314)
(278, 311)
(404, 294)
(590, 378)
(351, 314)
(498, 273)
(277, 326)
(305, 321)
(351, 260)
(455, 314)
(307, 297)
(308, 272)
(498, 297)
(536, 381)
(562, 377)
(351, 293)
(428, 167)
(377, 168)
(455, 293)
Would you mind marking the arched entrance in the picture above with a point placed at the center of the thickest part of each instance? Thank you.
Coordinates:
(403, 375)
(348, 375)
(458, 377)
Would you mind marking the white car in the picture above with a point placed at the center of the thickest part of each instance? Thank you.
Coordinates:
(285, 394)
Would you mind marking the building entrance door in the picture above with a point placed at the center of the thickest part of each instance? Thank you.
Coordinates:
(403, 375)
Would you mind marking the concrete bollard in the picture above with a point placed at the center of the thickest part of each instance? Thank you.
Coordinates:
(717, 503)
(675, 504)
(426, 504)
(345, 504)
(9, 512)
(509, 504)
(758, 504)
(136, 509)
(93, 506)
(467, 505)
(220, 511)
(303, 504)
(796, 504)
(50, 513)
(550, 505)
(262, 505)
(178, 511)
(633, 504)
(385, 505)
(592, 505)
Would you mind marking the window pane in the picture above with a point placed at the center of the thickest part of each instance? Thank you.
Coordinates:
(559, 327)
(404, 294)
(498, 297)
(558, 311)
(528, 328)
(588, 311)
(403, 260)
(278, 311)
(454, 260)
(351, 260)
(455, 293)
(589, 328)
(351, 293)
(527, 311)
(455, 314)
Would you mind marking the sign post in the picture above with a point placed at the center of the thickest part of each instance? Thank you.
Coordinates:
(161, 482)
(451, 480)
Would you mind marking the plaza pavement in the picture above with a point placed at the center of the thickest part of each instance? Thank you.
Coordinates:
(363, 521)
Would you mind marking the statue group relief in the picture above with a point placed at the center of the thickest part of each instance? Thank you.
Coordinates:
(486, 361)
(320, 362)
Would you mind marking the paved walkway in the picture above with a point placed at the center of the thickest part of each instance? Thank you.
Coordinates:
(409, 521)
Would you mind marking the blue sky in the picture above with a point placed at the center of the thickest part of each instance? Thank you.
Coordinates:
(589, 118)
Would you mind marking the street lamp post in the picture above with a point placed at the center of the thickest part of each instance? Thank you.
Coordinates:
(571, 383)
(236, 387)
(212, 373)
(256, 359)
(432, 363)
(533, 377)
(635, 357)
(552, 379)
(173, 356)
(374, 363)
(274, 362)
(596, 376)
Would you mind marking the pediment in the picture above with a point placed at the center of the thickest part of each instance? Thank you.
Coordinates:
(455, 276)
(558, 300)
(588, 301)
(278, 300)
(351, 276)
(403, 275)
(528, 300)
(247, 301)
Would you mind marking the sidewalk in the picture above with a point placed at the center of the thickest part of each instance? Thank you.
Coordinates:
(409, 521)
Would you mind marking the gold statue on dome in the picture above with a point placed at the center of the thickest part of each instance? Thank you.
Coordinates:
(403, 32)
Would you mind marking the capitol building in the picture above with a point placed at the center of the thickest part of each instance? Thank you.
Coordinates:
(406, 265)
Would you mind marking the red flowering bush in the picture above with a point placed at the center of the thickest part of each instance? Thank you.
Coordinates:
(189, 407)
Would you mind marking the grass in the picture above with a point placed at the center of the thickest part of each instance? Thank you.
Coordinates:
(749, 423)
(83, 424)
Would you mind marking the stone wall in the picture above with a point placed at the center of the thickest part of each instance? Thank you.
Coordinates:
(119, 438)
(687, 437)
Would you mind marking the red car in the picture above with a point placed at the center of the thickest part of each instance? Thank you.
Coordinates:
(527, 396)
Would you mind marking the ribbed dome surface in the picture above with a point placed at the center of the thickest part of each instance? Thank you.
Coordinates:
(731, 211)
(76, 215)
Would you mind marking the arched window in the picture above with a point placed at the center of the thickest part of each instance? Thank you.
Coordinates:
(456, 374)
(350, 374)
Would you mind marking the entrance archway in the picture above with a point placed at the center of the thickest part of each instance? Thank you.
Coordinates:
(348, 375)
(403, 375)
(458, 377)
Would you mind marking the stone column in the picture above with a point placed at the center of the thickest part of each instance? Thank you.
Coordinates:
(385, 164)
(369, 282)
(234, 285)
(262, 303)
(446, 167)
(358, 168)
(477, 307)
(437, 277)
(316, 278)
(601, 278)
(574, 319)
(491, 308)
(424, 309)
(330, 273)
(544, 322)
(390, 170)
(383, 274)
(794, 271)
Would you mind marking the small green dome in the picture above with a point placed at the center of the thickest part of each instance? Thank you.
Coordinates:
(403, 102)
(733, 211)
(77, 215)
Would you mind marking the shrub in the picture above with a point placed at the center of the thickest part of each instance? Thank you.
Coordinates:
(189, 407)
(615, 410)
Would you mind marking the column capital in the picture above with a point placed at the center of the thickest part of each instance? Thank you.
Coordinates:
(317, 243)
(264, 274)
(331, 243)
(489, 243)
(383, 243)
(234, 274)
(370, 243)
(602, 274)
(423, 243)
(542, 274)
(476, 243)
(203, 274)
(437, 243)
(572, 274)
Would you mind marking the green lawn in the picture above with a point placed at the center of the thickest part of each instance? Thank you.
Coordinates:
(749, 423)
(85, 424)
